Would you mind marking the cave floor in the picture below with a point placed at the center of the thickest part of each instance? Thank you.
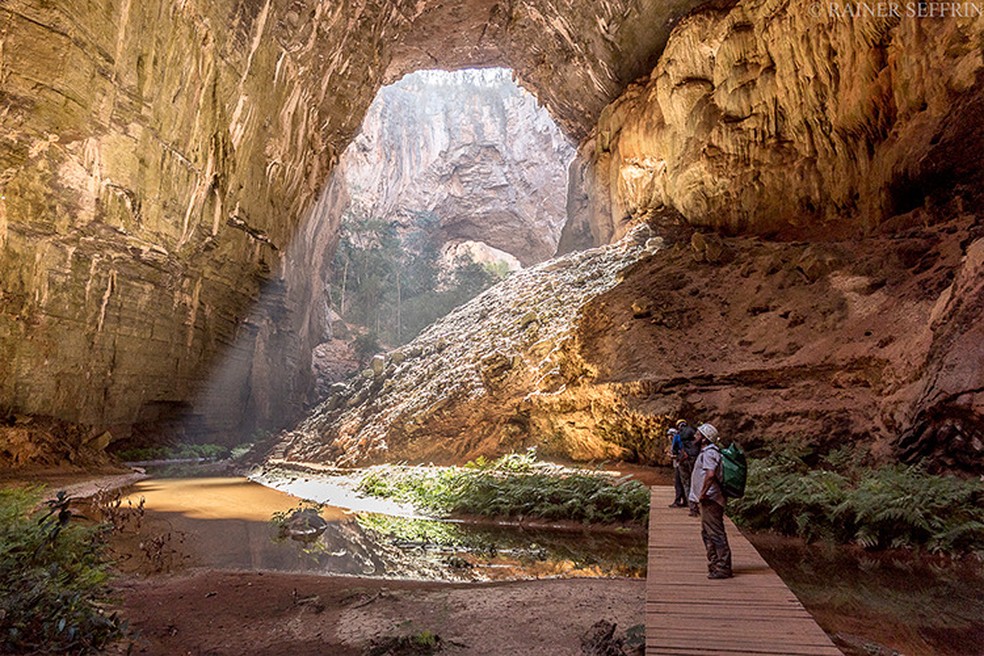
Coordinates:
(226, 612)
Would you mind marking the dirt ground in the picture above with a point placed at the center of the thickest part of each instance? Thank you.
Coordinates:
(221, 612)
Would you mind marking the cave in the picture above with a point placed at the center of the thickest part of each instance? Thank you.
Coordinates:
(767, 216)
(155, 221)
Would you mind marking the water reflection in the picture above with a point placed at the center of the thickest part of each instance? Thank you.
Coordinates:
(909, 602)
(225, 522)
(469, 552)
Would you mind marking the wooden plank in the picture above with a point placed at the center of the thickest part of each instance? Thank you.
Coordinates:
(688, 614)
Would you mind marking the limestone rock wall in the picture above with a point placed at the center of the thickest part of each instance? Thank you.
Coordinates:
(156, 159)
(790, 119)
(472, 149)
(576, 56)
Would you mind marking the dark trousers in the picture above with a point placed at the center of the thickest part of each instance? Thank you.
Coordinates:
(681, 491)
(681, 480)
(686, 473)
(715, 539)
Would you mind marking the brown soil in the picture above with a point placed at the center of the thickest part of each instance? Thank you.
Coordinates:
(222, 612)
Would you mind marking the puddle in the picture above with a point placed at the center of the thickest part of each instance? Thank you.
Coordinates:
(224, 522)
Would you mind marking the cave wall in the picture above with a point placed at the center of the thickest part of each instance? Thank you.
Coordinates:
(155, 161)
(789, 119)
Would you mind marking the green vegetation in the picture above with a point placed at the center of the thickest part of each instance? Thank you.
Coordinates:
(52, 579)
(427, 532)
(390, 280)
(514, 485)
(420, 643)
(175, 452)
(283, 520)
(893, 506)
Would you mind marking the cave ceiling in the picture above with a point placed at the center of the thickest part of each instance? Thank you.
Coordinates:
(576, 57)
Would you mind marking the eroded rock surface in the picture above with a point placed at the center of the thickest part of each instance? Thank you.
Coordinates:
(826, 343)
(159, 162)
(466, 385)
(790, 119)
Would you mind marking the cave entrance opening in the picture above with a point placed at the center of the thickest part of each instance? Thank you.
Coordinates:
(455, 180)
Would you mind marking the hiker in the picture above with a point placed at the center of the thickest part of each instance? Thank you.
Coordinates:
(689, 451)
(706, 491)
(681, 489)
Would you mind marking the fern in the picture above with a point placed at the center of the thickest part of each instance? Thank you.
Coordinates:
(895, 506)
(515, 485)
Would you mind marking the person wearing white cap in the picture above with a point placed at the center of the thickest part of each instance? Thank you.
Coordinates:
(706, 491)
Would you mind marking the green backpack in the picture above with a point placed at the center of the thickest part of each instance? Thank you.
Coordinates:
(734, 471)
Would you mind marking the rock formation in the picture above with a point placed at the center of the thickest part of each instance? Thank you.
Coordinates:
(791, 120)
(464, 387)
(469, 148)
(826, 344)
(158, 159)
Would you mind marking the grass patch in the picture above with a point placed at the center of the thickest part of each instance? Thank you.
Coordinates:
(52, 579)
(895, 506)
(421, 643)
(516, 485)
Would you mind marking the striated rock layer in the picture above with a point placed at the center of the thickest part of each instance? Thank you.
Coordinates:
(790, 119)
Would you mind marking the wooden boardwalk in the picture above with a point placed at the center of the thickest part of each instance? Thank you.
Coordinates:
(686, 613)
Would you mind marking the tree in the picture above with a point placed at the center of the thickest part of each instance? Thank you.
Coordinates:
(386, 276)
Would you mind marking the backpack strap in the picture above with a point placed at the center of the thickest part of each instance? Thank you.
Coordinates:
(719, 470)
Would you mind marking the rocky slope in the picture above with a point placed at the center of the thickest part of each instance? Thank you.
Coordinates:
(878, 342)
(469, 148)
(826, 343)
(463, 388)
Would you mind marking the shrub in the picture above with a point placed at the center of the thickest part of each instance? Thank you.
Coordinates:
(52, 579)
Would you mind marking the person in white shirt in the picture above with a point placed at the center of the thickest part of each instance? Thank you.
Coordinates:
(705, 490)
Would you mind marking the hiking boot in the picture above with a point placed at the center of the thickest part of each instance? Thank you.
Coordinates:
(720, 575)
(676, 505)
